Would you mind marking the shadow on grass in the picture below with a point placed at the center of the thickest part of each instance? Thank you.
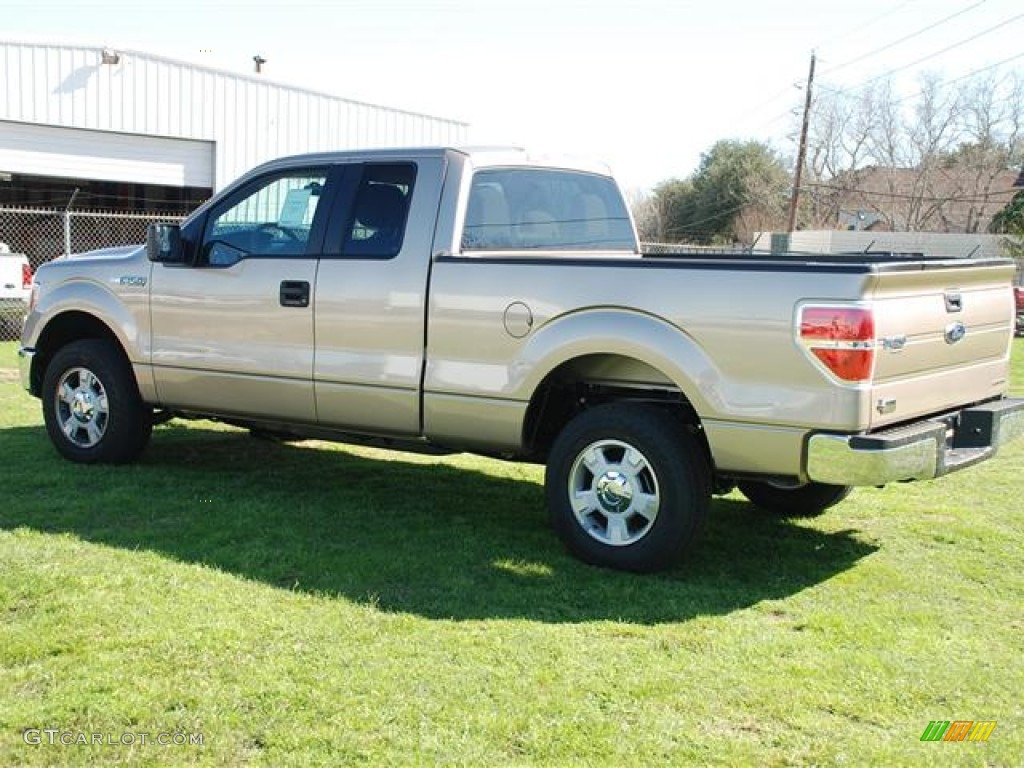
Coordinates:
(430, 540)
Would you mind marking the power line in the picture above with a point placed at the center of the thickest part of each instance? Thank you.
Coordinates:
(940, 86)
(930, 56)
(866, 24)
(686, 228)
(784, 90)
(976, 197)
(769, 100)
(947, 83)
(904, 39)
(789, 111)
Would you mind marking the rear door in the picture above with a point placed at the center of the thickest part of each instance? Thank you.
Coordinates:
(371, 296)
(233, 333)
(943, 337)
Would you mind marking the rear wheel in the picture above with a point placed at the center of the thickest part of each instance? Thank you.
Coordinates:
(627, 487)
(91, 405)
(808, 500)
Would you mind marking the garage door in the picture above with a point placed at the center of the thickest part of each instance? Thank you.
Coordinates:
(43, 150)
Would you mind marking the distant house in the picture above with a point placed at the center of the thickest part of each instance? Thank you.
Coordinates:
(861, 221)
(950, 199)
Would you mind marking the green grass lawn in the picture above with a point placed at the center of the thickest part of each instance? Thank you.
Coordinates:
(313, 604)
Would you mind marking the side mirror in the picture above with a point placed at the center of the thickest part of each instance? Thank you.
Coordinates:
(163, 244)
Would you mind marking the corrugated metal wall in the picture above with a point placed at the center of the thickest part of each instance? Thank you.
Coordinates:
(249, 119)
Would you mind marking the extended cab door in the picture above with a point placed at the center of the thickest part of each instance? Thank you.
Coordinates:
(233, 331)
(371, 296)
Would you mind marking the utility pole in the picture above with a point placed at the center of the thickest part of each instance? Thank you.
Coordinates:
(802, 152)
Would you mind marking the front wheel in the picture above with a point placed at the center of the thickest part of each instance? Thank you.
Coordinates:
(807, 500)
(91, 405)
(628, 487)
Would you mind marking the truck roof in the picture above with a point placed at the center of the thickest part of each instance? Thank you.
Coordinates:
(479, 156)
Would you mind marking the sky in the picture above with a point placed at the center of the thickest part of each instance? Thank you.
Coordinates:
(645, 85)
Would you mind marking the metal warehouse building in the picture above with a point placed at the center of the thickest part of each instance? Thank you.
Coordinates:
(133, 131)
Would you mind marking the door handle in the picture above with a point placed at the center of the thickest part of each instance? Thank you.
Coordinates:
(294, 293)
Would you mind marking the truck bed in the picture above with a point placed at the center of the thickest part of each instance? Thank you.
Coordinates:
(872, 261)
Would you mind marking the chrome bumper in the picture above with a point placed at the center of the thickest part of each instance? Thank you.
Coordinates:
(25, 356)
(918, 451)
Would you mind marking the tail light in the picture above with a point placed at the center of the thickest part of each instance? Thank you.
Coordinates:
(26, 276)
(841, 339)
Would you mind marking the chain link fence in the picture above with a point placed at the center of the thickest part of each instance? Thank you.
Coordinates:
(46, 233)
(43, 234)
(676, 249)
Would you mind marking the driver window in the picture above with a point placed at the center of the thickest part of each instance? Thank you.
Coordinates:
(274, 220)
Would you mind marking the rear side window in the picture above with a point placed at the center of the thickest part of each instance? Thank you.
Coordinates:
(538, 209)
(380, 210)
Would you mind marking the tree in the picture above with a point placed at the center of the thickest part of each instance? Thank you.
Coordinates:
(936, 161)
(739, 188)
(674, 204)
(643, 205)
(1010, 222)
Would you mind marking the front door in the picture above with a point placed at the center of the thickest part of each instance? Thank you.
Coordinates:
(233, 331)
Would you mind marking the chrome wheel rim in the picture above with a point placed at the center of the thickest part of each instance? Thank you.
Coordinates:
(614, 493)
(82, 408)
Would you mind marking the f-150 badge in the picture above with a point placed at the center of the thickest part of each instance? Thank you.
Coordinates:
(136, 281)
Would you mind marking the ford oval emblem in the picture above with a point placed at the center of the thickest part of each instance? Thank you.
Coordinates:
(955, 332)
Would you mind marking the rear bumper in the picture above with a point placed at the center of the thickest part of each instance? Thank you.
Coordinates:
(918, 451)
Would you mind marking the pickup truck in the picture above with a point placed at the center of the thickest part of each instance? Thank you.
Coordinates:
(498, 302)
(15, 286)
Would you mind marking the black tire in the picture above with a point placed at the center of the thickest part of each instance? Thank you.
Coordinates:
(804, 501)
(666, 475)
(91, 404)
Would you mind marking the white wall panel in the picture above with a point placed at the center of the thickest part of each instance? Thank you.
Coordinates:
(84, 154)
(248, 118)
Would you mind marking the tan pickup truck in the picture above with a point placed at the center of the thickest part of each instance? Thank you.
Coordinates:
(496, 302)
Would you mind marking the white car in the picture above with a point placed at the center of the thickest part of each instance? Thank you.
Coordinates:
(15, 288)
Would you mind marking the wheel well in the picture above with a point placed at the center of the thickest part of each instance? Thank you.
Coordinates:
(591, 380)
(60, 331)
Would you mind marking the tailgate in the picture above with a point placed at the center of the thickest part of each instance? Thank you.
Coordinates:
(943, 333)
